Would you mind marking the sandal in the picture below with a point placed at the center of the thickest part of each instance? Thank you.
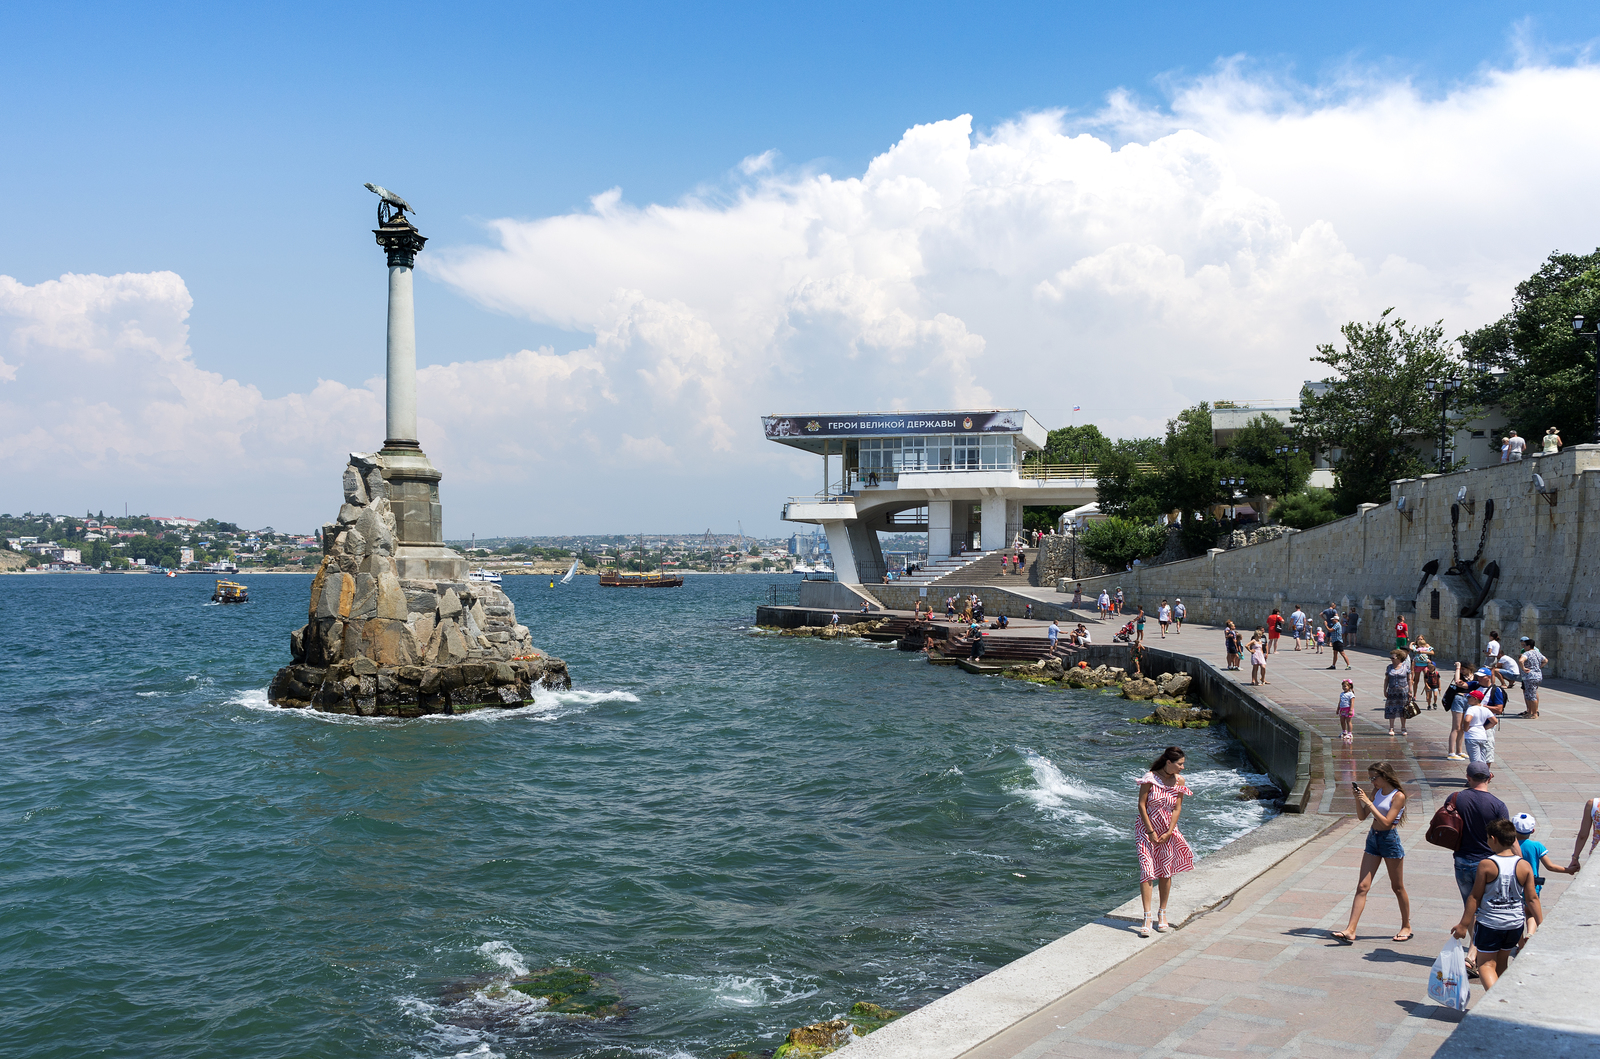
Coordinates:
(1341, 937)
(1144, 931)
(1161, 922)
(1407, 932)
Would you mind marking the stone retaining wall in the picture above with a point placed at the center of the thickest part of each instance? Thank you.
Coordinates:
(1275, 740)
(1548, 554)
(996, 600)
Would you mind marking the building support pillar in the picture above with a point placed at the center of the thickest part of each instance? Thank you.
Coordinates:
(993, 528)
(938, 530)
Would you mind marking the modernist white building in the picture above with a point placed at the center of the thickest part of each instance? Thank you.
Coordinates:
(956, 475)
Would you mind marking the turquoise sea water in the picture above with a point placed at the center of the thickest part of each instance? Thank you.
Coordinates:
(746, 832)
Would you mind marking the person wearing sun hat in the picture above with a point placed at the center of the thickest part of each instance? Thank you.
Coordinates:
(1552, 442)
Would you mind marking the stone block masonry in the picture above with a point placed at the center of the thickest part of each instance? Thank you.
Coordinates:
(378, 644)
(1546, 546)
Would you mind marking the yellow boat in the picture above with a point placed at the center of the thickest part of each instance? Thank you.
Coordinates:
(230, 592)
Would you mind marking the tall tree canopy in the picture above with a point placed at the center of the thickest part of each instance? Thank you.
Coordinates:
(1377, 405)
(1253, 455)
(1186, 478)
(1076, 445)
(1549, 372)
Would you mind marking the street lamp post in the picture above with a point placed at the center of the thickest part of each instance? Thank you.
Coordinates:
(1287, 452)
(1444, 388)
(1593, 334)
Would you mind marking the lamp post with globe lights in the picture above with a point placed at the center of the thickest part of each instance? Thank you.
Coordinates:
(1444, 388)
(1593, 335)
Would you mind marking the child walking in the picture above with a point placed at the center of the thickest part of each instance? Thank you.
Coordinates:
(1258, 662)
(1320, 636)
(1503, 900)
(1347, 711)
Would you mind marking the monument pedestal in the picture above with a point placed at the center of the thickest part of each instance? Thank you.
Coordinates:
(395, 629)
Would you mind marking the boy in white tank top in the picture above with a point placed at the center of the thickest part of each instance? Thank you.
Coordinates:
(1502, 906)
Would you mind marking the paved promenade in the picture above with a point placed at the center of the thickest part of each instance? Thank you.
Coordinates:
(1261, 976)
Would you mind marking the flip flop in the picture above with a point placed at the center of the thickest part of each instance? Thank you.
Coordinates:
(1341, 936)
(1409, 935)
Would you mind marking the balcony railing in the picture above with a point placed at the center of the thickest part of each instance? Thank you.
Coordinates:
(1069, 470)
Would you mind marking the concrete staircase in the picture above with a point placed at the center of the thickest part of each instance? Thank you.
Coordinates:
(987, 570)
(939, 569)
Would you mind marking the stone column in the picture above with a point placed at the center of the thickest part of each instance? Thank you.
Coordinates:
(401, 418)
(413, 481)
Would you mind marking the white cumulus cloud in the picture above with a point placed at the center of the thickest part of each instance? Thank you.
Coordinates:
(1132, 261)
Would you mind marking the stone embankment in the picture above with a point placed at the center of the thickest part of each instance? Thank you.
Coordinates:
(375, 644)
(829, 632)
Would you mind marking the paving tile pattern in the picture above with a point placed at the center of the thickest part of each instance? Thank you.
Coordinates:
(1261, 976)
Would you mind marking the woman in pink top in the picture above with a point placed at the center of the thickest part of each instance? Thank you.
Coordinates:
(1163, 852)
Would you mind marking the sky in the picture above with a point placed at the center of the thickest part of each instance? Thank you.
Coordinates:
(650, 224)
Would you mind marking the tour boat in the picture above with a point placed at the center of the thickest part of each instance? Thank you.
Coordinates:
(230, 592)
(614, 579)
(481, 574)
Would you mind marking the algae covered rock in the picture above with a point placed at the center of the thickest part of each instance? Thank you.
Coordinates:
(1140, 689)
(573, 991)
(820, 1038)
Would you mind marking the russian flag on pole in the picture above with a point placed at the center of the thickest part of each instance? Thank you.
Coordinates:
(1077, 408)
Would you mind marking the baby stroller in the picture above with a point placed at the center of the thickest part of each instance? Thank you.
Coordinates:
(1125, 636)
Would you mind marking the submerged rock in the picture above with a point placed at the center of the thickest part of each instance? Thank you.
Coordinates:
(573, 991)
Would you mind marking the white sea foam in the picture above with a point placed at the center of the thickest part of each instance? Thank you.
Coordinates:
(547, 705)
(1052, 789)
(507, 957)
(749, 991)
(152, 694)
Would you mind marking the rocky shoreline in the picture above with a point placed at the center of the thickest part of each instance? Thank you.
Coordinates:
(377, 645)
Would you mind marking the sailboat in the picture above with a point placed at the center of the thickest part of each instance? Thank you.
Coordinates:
(568, 579)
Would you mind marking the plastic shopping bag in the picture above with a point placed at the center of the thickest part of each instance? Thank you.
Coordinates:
(1447, 982)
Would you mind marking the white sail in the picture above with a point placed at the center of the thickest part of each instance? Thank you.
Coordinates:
(568, 579)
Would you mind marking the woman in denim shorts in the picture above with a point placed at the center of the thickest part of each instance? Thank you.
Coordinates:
(1386, 805)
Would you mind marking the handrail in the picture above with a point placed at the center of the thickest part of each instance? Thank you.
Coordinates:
(1070, 470)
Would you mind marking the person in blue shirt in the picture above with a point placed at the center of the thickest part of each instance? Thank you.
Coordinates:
(1534, 852)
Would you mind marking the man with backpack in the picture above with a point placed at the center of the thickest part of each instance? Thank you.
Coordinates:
(1462, 825)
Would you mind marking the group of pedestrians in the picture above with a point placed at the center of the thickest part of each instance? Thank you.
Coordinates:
(1512, 446)
(1109, 604)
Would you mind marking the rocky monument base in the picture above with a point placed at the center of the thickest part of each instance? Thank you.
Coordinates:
(379, 645)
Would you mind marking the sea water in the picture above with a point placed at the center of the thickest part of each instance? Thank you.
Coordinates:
(745, 832)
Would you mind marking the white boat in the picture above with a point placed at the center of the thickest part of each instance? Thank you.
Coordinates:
(481, 574)
(568, 579)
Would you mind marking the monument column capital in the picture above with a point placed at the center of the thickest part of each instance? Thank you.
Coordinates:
(401, 242)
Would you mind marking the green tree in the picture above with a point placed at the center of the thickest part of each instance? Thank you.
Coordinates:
(1549, 372)
(1376, 405)
(1310, 508)
(1116, 542)
(1127, 491)
(1191, 476)
(1253, 455)
(1074, 445)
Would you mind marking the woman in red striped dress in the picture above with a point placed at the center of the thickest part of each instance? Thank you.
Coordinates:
(1163, 852)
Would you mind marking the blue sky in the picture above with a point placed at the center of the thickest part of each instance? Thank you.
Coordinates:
(229, 146)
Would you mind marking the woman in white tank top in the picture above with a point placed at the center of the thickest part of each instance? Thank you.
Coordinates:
(1385, 805)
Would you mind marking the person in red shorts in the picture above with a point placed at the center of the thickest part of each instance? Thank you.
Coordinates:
(1274, 630)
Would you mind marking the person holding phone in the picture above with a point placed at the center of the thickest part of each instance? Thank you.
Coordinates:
(1385, 805)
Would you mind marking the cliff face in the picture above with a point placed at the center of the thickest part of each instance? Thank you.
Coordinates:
(378, 645)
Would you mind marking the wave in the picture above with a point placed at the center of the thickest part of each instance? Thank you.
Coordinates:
(548, 705)
(750, 991)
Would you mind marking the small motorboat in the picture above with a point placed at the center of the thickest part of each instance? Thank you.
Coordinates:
(481, 574)
(230, 592)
